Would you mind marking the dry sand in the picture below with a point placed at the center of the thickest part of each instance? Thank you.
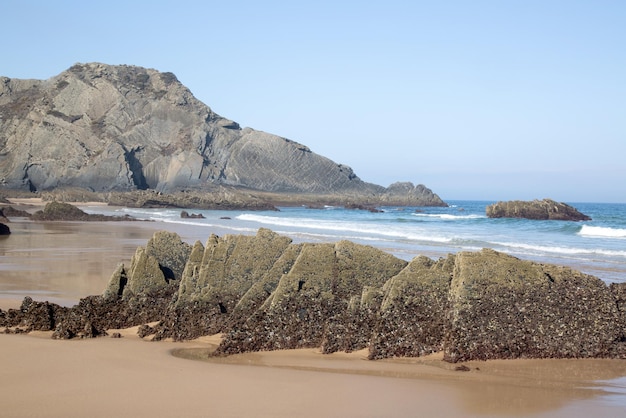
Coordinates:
(133, 378)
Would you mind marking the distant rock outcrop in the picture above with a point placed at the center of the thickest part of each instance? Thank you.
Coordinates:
(124, 128)
(264, 292)
(60, 211)
(11, 212)
(186, 215)
(4, 229)
(545, 209)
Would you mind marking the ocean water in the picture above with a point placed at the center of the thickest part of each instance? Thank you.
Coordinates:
(595, 247)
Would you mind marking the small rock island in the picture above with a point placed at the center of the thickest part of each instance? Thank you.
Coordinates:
(546, 209)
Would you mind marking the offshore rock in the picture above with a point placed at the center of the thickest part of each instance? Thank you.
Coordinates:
(59, 211)
(10, 212)
(545, 209)
(125, 128)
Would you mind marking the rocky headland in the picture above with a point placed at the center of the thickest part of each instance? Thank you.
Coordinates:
(264, 292)
(138, 137)
(546, 209)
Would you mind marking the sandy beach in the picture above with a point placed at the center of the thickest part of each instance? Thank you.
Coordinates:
(63, 262)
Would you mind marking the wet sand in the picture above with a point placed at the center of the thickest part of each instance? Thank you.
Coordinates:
(64, 261)
(131, 377)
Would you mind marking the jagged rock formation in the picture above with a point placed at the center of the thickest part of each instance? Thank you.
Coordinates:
(545, 209)
(123, 128)
(264, 293)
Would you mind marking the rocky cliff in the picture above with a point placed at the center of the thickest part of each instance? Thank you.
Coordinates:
(264, 292)
(123, 128)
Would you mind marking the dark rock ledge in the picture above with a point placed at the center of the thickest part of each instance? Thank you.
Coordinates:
(266, 293)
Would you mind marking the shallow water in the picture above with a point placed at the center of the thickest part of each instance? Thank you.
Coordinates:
(595, 247)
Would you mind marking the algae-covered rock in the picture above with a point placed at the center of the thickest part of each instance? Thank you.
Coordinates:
(145, 275)
(152, 268)
(314, 304)
(412, 317)
(61, 211)
(212, 286)
(360, 270)
(263, 289)
(503, 307)
(266, 293)
(171, 253)
(117, 282)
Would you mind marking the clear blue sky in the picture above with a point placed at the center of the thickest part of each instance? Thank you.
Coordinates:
(475, 99)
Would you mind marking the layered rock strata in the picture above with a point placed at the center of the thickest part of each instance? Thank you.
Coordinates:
(264, 292)
(125, 128)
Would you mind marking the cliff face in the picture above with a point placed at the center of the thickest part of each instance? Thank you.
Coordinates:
(265, 293)
(122, 128)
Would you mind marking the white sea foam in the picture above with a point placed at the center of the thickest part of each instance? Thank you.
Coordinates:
(446, 216)
(561, 250)
(603, 232)
(343, 226)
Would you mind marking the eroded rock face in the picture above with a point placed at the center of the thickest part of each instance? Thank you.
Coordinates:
(545, 209)
(412, 318)
(153, 269)
(265, 293)
(316, 302)
(125, 128)
(503, 307)
(215, 280)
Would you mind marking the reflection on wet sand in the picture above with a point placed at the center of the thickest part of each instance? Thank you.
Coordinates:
(487, 388)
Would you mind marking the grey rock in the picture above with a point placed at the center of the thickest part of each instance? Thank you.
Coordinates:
(123, 128)
(546, 209)
(153, 269)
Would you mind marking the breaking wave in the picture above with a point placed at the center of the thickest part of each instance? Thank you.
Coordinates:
(601, 231)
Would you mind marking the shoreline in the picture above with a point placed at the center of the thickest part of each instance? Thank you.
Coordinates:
(140, 378)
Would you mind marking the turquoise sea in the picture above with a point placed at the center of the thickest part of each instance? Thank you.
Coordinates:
(595, 247)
